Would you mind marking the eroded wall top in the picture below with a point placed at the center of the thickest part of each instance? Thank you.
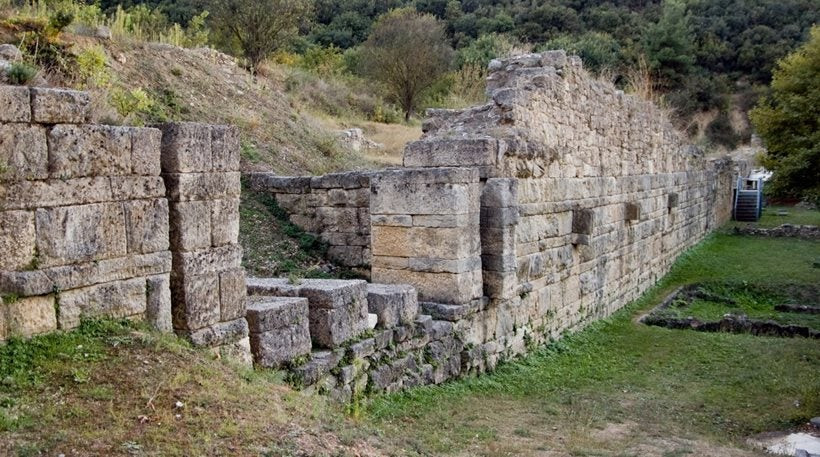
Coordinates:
(548, 117)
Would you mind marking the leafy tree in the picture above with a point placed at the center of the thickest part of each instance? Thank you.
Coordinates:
(258, 27)
(669, 45)
(788, 121)
(407, 52)
(597, 50)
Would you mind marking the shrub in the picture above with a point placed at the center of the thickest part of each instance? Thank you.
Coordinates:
(130, 103)
(20, 73)
(92, 67)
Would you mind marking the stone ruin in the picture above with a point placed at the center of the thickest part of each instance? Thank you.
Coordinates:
(555, 204)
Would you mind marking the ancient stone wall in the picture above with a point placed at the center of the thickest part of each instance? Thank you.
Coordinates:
(334, 207)
(107, 221)
(83, 216)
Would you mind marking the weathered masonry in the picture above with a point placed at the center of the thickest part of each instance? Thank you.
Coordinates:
(99, 220)
(554, 204)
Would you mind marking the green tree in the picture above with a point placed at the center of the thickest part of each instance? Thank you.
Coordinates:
(258, 27)
(788, 121)
(669, 45)
(407, 52)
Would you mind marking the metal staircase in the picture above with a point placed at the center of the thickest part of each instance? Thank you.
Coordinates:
(748, 200)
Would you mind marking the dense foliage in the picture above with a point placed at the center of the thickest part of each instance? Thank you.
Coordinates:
(789, 122)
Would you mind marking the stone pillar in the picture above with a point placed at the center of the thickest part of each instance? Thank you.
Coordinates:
(499, 216)
(200, 166)
(425, 232)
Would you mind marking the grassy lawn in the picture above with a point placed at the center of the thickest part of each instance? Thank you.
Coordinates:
(774, 216)
(620, 388)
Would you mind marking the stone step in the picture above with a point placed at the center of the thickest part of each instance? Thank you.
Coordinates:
(337, 308)
(393, 304)
(279, 331)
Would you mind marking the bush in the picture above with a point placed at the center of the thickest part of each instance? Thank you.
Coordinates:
(20, 73)
(92, 67)
(720, 131)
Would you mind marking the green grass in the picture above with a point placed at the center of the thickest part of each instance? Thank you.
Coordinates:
(700, 389)
(775, 216)
(752, 301)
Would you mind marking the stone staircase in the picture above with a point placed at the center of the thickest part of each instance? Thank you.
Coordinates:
(348, 337)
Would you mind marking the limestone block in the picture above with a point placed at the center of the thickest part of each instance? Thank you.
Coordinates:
(17, 240)
(224, 222)
(196, 301)
(335, 293)
(158, 302)
(54, 192)
(443, 243)
(146, 223)
(583, 221)
(220, 333)
(429, 265)
(23, 151)
(279, 330)
(114, 299)
(232, 293)
(449, 288)
(497, 240)
(211, 260)
(461, 152)
(15, 104)
(225, 147)
(425, 191)
(632, 211)
(238, 351)
(445, 221)
(186, 147)
(202, 186)
(44, 281)
(346, 180)
(350, 256)
(137, 187)
(72, 234)
(500, 193)
(499, 217)
(400, 220)
(393, 304)
(26, 317)
(58, 106)
(500, 284)
(146, 144)
(270, 313)
(190, 225)
(338, 219)
(330, 328)
(89, 150)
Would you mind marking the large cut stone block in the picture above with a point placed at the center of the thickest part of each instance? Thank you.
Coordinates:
(420, 191)
(451, 153)
(279, 330)
(212, 260)
(145, 151)
(89, 150)
(393, 304)
(225, 147)
(137, 187)
(115, 299)
(220, 333)
(202, 186)
(338, 308)
(17, 240)
(58, 106)
(23, 152)
(158, 302)
(224, 222)
(146, 225)
(54, 192)
(232, 292)
(195, 301)
(190, 225)
(428, 242)
(186, 147)
(73, 234)
(15, 104)
(448, 288)
(46, 280)
(29, 316)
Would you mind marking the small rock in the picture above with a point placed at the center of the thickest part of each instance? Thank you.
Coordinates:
(10, 52)
(102, 32)
(815, 421)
